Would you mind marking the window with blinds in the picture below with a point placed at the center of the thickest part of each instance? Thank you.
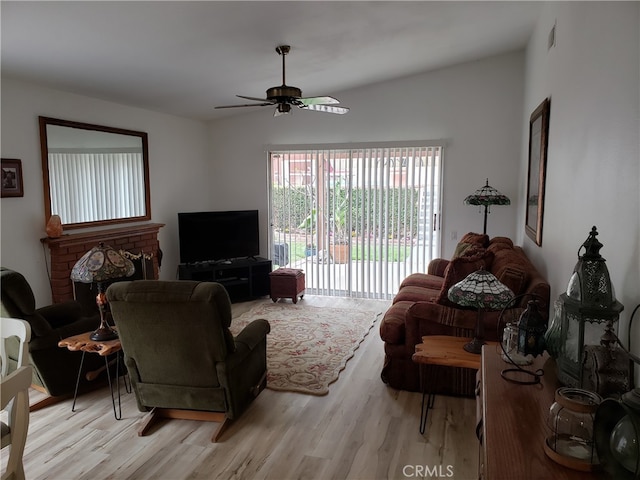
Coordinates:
(357, 220)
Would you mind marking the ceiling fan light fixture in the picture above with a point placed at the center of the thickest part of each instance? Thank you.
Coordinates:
(282, 109)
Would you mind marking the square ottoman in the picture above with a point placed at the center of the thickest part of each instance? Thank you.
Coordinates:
(287, 283)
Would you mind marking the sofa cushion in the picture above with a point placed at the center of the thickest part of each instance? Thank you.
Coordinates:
(458, 270)
(414, 293)
(422, 280)
(501, 240)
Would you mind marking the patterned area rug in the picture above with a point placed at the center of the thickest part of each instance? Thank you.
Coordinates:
(308, 346)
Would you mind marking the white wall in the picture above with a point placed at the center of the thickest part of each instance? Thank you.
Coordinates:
(177, 162)
(593, 174)
(476, 107)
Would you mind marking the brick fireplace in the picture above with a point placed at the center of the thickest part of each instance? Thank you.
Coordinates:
(68, 249)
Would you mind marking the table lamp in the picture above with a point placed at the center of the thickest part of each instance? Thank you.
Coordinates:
(100, 264)
(481, 290)
(487, 196)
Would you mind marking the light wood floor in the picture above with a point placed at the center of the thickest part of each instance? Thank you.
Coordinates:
(361, 430)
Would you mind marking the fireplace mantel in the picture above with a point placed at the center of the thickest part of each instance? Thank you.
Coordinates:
(69, 248)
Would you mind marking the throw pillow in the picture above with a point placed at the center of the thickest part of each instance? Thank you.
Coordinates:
(458, 269)
(480, 239)
(514, 278)
(461, 249)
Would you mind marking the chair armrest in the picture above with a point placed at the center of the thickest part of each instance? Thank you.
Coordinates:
(54, 335)
(247, 340)
(60, 314)
(16, 381)
(253, 333)
(437, 266)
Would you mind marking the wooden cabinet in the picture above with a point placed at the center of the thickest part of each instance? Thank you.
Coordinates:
(514, 425)
(244, 279)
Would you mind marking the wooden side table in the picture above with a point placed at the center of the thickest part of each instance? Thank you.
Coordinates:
(443, 350)
(84, 344)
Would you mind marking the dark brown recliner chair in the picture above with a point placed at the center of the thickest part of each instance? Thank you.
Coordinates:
(55, 369)
(181, 357)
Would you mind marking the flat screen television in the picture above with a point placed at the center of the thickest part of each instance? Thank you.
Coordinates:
(216, 236)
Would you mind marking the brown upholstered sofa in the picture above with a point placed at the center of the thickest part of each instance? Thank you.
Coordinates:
(421, 307)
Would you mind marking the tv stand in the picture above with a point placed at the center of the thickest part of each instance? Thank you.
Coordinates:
(243, 278)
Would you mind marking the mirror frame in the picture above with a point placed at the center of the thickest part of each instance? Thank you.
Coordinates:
(44, 121)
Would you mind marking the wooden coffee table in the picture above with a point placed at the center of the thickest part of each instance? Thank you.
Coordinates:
(82, 343)
(446, 351)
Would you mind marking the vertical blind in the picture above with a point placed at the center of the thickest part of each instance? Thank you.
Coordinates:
(79, 180)
(380, 204)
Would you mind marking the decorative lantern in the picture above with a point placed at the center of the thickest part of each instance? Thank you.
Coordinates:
(588, 308)
(617, 427)
(510, 352)
(617, 436)
(531, 329)
(571, 419)
(523, 340)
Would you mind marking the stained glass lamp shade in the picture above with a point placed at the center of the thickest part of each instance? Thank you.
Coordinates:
(487, 196)
(100, 264)
(481, 290)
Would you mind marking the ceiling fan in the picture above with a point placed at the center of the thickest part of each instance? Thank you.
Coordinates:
(285, 96)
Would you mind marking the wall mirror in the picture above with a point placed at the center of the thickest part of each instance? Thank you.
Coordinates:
(94, 175)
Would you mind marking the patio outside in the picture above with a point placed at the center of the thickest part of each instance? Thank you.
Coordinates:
(356, 221)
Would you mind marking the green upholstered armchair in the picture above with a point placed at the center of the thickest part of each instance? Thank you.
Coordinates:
(182, 359)
(55, 369)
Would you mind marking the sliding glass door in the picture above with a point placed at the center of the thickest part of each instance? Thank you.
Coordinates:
(356, 220)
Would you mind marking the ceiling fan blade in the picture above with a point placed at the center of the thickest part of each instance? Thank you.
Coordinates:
(246, 105)
(326, 108)
(256, 99)
(318, 101)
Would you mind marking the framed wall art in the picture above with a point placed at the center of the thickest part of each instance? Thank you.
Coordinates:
(11, 178)
(536, 173)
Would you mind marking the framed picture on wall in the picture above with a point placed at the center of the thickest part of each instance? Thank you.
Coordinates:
(11, 178)
(536, 173)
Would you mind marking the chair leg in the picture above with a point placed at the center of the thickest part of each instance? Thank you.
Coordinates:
(156, 413)
(148, 421)
(221, 428)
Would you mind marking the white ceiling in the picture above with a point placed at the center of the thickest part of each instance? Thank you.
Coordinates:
(184, 58)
